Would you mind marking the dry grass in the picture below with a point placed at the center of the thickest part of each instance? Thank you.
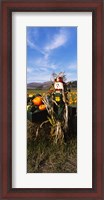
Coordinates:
(44, 156)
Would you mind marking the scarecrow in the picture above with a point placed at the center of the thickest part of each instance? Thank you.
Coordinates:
(55, 106)
(60, 99)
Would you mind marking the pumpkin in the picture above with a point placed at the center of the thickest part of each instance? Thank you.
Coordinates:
(37, 100)
(42, 107)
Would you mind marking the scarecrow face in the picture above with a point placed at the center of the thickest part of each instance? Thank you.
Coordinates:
(58, 85)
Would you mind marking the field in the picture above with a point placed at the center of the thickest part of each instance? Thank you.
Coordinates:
(32, 91)
(72, 95)
(45, 156)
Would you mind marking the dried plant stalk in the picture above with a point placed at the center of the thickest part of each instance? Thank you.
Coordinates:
(57, 132)
(58, 128)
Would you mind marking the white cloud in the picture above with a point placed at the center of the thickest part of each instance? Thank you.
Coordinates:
(34, 46)
(58, 40)
(32, 37)
(46, 76)
(72, 66)
(39, 77)
(71, 76)
(41, 68)
(29, 70)
(42, 62)
(32, 34)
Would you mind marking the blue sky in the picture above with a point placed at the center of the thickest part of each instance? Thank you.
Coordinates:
(51, 49)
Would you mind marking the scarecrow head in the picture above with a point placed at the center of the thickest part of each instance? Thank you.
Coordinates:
(58, 84)
(59, 81)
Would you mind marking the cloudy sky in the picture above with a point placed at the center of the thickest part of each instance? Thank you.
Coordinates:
(51, 49)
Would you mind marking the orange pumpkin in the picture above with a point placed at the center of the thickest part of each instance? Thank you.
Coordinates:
(37, 100)
(42, 107)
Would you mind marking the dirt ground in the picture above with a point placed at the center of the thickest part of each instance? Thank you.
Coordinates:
(44, 156)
